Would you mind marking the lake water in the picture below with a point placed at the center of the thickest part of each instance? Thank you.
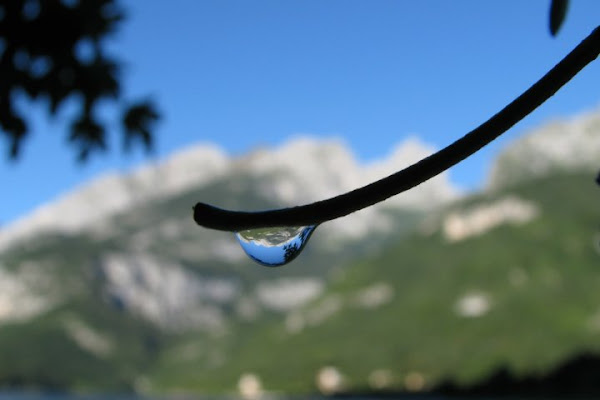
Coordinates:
(9, 395)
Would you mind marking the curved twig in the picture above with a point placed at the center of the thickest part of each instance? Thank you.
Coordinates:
(339, 206)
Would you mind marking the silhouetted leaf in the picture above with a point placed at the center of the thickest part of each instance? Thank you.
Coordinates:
(558, 12)
(13, 126)
(137, 122)
(87, 135)
(18, 129)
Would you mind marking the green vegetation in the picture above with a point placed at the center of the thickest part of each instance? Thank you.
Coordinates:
(540, 280)
(521, 295)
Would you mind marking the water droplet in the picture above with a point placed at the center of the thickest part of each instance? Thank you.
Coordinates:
(274, 247)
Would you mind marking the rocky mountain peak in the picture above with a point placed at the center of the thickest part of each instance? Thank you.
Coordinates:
(302, 170)
(572, 144)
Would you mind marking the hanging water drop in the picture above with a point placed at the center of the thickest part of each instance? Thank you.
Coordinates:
(274, 247)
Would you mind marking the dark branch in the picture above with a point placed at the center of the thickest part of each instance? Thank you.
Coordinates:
(325, 210)
(558, 12)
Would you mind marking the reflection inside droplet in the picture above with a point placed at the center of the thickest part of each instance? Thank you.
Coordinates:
(273, 247)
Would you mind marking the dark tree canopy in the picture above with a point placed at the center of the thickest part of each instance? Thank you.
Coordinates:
(51, 51)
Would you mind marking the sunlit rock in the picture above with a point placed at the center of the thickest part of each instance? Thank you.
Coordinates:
(288, 293)
(380, 379)
(27, 291)
(88, 338)
(479, 219)
(414, 381)
(473, 305)
(164, 292)
(249, 386)
(374, 296)
(329, 380)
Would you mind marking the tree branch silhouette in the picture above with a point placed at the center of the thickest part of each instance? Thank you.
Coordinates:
(52, 51)
(325, 210)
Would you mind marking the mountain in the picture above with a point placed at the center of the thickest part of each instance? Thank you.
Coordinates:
(501, 280)
(559, 145)
(302, 170)
(110, 274)
(429, 287)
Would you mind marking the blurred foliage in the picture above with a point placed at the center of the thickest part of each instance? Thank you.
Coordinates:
(53, 50)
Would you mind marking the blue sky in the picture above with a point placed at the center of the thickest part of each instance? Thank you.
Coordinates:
(245, 74)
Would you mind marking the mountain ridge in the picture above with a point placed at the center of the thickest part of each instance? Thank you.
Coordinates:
(146, 300)
(558, 145)
(330, 168)
(303, 169)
